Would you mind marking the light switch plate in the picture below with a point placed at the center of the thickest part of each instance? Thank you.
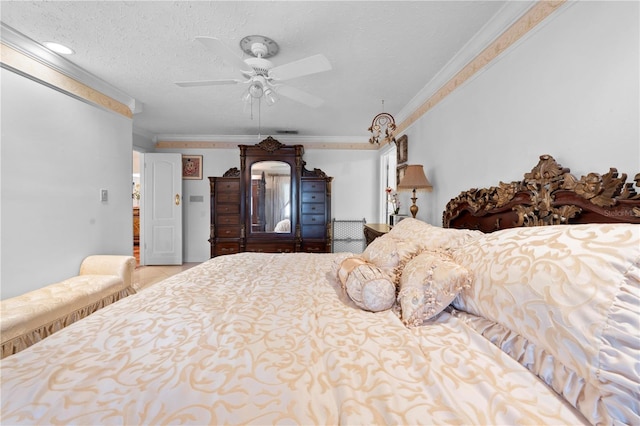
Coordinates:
(104, 195)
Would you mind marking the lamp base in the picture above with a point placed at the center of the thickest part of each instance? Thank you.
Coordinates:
(414, 209)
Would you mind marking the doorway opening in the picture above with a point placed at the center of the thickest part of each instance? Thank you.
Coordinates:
(388, 175)
(135, 196)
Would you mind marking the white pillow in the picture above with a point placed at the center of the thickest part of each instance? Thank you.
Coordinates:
(574, 292)
(428, 237)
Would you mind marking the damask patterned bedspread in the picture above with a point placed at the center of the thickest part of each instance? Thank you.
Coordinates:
(267, 339)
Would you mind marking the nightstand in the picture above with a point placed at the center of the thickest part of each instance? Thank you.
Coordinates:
(374, 230)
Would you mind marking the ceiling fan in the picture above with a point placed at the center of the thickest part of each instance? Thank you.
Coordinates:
(262, 76)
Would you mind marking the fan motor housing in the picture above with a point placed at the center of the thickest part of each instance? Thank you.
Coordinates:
(260, 65)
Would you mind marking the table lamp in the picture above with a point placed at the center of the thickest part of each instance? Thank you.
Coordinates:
(414, 178)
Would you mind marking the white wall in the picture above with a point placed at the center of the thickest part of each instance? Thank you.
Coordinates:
(355, 181)
(355, 177)
(569, 88)
(142, 143)
(57, 153)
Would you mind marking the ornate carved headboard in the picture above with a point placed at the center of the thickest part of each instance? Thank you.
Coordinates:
(548, 195)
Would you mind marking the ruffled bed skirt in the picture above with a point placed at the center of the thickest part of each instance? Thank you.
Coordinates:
(27, 339)
(613, 403)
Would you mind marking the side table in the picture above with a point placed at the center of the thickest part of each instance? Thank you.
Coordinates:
(374, 230)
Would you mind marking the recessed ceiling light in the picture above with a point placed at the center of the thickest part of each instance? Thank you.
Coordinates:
(59, 48)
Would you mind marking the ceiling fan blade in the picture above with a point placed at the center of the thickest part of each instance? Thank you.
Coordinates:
(207, 83)
(299, 96)
(306, 66)
(220, 49)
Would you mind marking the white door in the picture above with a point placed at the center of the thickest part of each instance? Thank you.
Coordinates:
(162, 209)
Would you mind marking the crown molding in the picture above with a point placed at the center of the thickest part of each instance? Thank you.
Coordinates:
(434, 92)
(232, 141)
(499, 23)
(34, 51)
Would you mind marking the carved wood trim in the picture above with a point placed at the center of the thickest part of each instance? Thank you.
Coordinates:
(270, 144)
(548, 195)
(232, 172)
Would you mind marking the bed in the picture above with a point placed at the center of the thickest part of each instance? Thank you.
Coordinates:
(528, 325)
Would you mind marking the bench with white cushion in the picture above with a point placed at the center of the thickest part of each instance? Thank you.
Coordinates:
(30, 317)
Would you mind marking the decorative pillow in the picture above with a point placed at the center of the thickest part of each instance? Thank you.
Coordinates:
(347, 265)
(573, 291)
(428, 284)
(337, 262)
(387, 252)
(429, 237)
(370, 288)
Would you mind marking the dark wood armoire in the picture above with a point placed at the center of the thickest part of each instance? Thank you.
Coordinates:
(272, 204)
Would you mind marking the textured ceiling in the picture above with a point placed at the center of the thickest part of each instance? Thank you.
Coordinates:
(378, 50)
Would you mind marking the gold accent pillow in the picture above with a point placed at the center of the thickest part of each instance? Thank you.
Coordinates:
(428, 284)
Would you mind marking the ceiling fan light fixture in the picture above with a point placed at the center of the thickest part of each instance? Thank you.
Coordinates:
(256, 90)
(270, 96)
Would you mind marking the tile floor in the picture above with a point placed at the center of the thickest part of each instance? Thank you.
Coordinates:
(145, 276)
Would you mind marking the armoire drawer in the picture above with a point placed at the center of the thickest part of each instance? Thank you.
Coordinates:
(228, 186)
(228, 232)
(227, 209)
(313, 186)
(313, 208)
(313, 219)
(314, 231)
(313, 197)
(228, 219)
(226, 248)
(228, 197)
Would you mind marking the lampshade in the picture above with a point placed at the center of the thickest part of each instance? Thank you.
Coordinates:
(414, 178)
